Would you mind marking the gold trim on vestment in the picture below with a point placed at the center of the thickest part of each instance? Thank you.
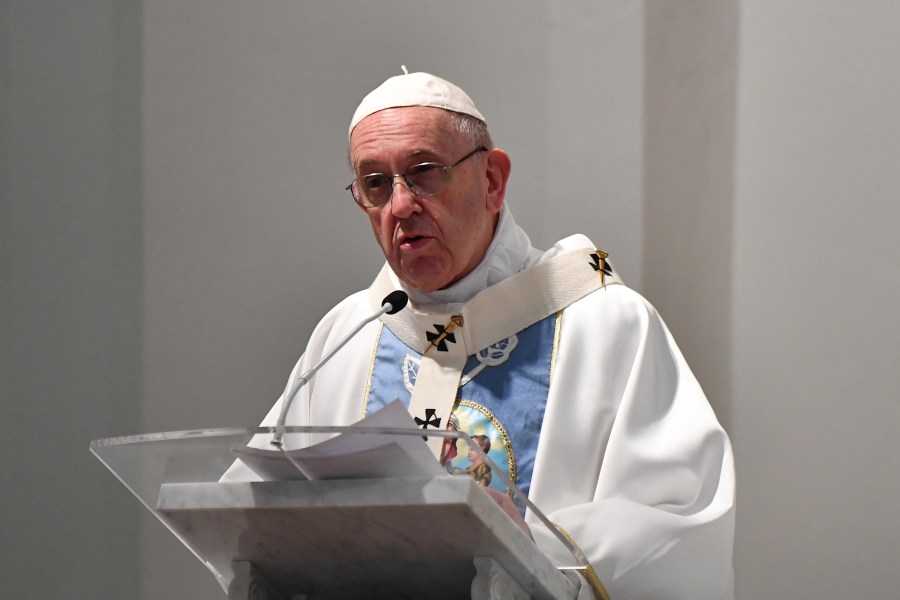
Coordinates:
(556, 331)
(365, 404)
(589, 574)
(507, 443)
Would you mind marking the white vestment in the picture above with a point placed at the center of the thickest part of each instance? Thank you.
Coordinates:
(631, 461)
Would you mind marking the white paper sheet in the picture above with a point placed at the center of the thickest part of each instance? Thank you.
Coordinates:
(352, 455)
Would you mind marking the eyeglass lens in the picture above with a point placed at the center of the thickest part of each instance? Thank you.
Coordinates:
(426, 179)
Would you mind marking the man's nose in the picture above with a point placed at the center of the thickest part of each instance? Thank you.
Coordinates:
(404, 201)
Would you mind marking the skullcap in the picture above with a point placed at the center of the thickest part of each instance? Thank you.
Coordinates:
(415, 89)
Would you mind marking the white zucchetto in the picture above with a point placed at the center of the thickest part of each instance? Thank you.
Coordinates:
(415, 89)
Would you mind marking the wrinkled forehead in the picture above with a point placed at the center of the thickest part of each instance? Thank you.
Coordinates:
(401, 133)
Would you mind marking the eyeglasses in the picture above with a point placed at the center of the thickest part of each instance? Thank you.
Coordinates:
(424, 179)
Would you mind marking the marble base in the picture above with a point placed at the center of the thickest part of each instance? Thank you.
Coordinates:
(365, 539)
(250, 584)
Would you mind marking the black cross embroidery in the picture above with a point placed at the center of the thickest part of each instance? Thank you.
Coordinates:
(430, 419)
(440, 339)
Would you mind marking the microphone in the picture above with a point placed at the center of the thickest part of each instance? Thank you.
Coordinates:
(392, 304)
(396, 301)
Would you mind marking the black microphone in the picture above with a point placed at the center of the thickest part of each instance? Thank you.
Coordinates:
(392, 304)
(396, 300)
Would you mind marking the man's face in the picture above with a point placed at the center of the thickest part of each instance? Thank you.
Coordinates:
(430, 242)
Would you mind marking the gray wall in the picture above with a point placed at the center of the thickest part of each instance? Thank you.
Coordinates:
(688, 164)
(70, 293)
(816, 291)
(173, 224)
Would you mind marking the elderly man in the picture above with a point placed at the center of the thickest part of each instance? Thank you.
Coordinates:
(583, 396)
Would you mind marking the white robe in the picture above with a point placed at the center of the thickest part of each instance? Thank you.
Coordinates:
(631, 461)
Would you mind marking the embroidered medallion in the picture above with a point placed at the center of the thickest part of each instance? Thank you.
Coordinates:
(489, 433)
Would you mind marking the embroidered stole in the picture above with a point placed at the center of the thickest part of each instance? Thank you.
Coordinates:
(445, 341)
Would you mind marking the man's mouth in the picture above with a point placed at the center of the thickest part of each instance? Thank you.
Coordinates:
(413, 242)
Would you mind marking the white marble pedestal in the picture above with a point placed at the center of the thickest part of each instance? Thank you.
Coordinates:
(491, 582)
(441, 538)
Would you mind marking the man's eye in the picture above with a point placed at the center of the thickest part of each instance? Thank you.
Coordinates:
(373, 182)
(423, 169)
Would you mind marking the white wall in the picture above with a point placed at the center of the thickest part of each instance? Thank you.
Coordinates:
(688, 170)
(816, 296)
(173, 222)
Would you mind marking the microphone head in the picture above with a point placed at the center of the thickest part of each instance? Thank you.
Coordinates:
(397, 299)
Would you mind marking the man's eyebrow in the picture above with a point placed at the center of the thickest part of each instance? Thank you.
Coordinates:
(419, 154)
(367, 162)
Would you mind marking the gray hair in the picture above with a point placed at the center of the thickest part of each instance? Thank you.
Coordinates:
(473, 128)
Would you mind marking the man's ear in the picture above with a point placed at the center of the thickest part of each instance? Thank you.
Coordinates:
(497, 173)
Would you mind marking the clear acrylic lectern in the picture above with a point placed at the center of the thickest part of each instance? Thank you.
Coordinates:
(340, 524)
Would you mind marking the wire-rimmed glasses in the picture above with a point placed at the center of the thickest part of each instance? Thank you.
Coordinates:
(424, 179)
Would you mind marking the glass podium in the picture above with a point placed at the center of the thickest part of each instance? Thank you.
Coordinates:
(337, 512)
